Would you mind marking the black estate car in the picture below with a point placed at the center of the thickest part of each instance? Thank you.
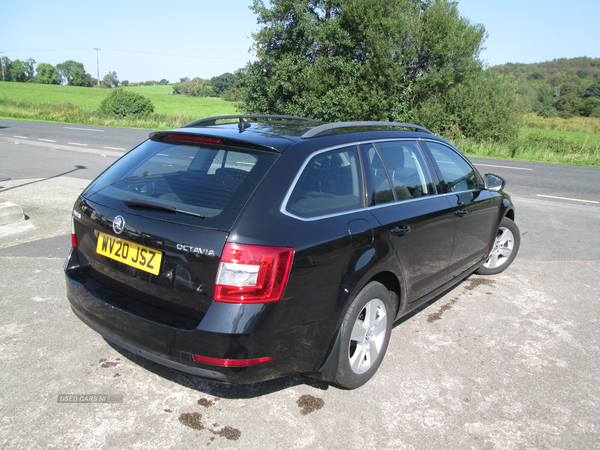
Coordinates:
(244, 248)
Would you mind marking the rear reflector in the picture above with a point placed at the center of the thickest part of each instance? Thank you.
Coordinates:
(191, 138)
(230, 362)
(253, 273)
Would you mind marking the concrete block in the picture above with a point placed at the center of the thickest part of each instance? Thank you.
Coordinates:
(10, 213)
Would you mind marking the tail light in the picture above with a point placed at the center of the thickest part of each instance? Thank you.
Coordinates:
(74, 242)
(253, 273)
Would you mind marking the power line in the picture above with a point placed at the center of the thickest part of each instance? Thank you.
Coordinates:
(129, 51)
(177, 56)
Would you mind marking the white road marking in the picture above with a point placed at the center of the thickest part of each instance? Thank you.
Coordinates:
(82, 129)
(566, 198)
(46, 140)
(113, 148)
(503, 167)
(21, 137)
(75, 143)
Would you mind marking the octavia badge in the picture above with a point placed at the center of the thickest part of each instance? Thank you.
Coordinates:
(118, 224)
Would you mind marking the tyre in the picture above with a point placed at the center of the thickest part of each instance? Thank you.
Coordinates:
(366, 333)
(505, 248)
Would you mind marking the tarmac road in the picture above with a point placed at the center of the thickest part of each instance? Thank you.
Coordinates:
(502, 362)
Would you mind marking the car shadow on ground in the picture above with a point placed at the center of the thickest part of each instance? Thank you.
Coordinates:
(246, 391)
(77, 167)
(216, 389)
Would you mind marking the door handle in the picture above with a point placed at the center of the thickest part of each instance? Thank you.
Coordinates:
(461, 212)
(400, 231)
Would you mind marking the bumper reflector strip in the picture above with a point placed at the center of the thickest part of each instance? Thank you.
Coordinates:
(230, 362)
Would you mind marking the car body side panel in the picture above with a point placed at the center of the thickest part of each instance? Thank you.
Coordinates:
(424, 252)
(476, 213)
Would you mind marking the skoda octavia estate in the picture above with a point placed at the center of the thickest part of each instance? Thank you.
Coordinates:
(244, 248)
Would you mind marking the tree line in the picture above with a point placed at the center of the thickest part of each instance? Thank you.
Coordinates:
(71, 73)
(392, 60)
(558, 88)
(220, 86)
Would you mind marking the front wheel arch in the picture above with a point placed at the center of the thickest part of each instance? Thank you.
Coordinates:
(505, 248)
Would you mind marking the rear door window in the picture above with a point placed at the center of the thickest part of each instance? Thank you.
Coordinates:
(330, 183)
(399, 171)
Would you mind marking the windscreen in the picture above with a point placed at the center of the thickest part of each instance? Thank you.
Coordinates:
(202, 185)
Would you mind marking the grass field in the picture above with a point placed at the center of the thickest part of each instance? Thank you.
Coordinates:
(89, 99)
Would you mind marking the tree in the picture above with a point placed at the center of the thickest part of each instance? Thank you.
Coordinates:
(17, 71)
(110, 80)
(21, 71)
(74, 73)
(194, 88)
(357, 59)
(588, 106)
(30, 69)
(486, 107)
(223, 83)
(47, 74)
(592, 91)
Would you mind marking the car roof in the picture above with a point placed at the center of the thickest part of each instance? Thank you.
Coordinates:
(279, 132)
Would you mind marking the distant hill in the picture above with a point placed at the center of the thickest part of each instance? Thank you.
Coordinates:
(564, 87)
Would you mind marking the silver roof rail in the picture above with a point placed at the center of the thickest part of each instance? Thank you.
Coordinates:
(210, 121)
(328, 128)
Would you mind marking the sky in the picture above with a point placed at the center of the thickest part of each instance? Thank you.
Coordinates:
(154, 40)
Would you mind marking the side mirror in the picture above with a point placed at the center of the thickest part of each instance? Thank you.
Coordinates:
(494, 182)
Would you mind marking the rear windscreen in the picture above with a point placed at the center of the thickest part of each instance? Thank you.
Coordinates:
(203, 185)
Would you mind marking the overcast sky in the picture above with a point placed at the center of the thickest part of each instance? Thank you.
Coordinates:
(152, 40)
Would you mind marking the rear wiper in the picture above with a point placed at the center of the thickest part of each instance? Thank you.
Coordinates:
(155, 205)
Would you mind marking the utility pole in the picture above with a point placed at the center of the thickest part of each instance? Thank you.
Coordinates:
(97, 66)
(2, 65)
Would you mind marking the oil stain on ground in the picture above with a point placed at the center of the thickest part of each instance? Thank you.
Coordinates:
(438, 315)
(206, 402)
(474, 283)
(194, 421)
(309, 404)
(107, 364)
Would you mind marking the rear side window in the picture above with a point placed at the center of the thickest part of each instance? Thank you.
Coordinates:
(214, 183)
(330, 183)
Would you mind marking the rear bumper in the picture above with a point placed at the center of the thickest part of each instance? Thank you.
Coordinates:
(276, 330)
(195, 371)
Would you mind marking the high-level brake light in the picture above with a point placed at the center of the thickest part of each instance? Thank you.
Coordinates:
(192, 138)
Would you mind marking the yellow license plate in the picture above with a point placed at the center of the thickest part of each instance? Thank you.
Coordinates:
(127, 252)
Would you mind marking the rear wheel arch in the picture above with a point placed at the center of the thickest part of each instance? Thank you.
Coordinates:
(392, 283)
(364, 336)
